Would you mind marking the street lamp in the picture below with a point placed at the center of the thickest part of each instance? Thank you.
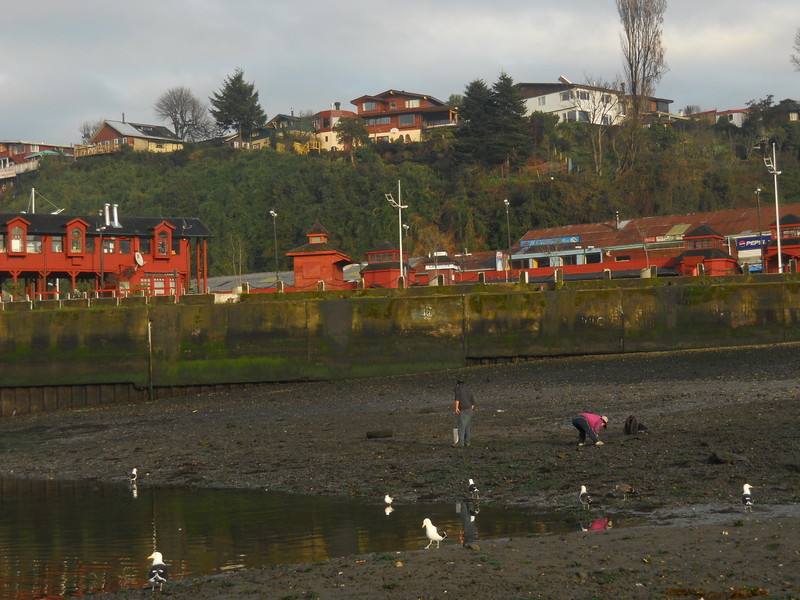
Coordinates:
(760, 234)
(772, 167)
(398, 204)
(274, 216)
(508, 233)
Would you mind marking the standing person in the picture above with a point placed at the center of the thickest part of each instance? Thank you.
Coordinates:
(465, 404)
(589, 424)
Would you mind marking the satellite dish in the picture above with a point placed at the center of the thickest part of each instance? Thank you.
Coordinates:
(139, 259)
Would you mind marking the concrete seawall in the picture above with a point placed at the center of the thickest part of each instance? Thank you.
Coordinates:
(60, 355)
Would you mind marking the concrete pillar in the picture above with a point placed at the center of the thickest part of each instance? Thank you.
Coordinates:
(320, 286)
(524, 277)
(482, 278)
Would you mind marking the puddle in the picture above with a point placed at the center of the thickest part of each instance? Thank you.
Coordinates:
(60, 539)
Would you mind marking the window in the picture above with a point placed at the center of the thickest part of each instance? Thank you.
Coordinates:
(606, 120)
(583, 95)
(566, 96)
(382, 257)
(2, 243)
(370, 105)
(108, 245)
(162, 243)
(76, 240)
(90, 245)
(376, 121)
(34, 244)
(57, 244)
(412, 103)
(393, 105)
(542, 100)
(622, 258)
(144, 245)
(406, 120)
(17, 239)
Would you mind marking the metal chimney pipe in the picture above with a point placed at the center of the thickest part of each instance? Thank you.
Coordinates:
(107, 213)
(115, 222)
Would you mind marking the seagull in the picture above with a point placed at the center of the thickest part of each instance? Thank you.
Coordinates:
(157, 575)
(625, 489)
(132, 475)
(472, 489)
(747, 498)
(434, 533)
(585, 498)
(388, 499)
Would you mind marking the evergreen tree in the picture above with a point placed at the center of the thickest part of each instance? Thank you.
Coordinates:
(351, 132)
(236, 107)
(493, 129)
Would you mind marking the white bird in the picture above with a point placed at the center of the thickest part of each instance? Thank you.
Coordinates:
(157, 575)
(472, 489)
(388, 499)
(133, 475)
(585, 498)
(434, 533)
(747, 497)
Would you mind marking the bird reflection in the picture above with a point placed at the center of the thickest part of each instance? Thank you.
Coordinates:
(469, 530)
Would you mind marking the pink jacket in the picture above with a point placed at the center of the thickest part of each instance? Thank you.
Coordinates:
(595, 421)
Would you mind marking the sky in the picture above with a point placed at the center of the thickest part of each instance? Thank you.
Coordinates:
(71, 62)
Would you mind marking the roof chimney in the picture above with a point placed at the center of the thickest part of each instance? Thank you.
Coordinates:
(337, 105)
(616, 220)
(115, 217)
(107, 214)
(123, 117)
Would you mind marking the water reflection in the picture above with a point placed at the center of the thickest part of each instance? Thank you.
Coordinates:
(64, 538)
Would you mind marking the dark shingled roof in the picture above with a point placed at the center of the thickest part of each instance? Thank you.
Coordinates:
(49, 224)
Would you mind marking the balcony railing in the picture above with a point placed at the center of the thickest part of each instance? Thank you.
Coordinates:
(94, 150)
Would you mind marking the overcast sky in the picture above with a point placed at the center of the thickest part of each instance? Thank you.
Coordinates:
(69, 62)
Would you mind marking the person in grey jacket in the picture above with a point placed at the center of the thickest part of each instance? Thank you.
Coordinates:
(465, 404)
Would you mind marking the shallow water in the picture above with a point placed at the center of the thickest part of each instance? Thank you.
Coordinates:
(59, 539)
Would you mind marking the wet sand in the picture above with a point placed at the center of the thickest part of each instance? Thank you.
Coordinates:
(715, 420)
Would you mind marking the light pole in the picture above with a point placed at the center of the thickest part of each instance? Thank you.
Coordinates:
(772, 167)
(398, 204)
(274, 216)
(760, 234)
(508, 233)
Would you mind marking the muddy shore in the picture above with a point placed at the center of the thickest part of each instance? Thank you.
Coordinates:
(715, 420)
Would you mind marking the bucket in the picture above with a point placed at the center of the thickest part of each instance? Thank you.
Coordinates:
(455, 435)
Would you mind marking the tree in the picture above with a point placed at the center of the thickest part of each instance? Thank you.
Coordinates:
(189, 116)
(492, 126)
(351, 132)
(643, 64)
(87, 130)
(600, 105)
(795, 58)
(236, 107)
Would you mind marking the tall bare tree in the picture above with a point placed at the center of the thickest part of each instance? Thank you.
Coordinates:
(795, 58)
(643, 63)
(190, 118)
(87, 130)
(601, 105)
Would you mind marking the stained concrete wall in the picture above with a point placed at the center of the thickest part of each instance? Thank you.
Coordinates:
(277, 337)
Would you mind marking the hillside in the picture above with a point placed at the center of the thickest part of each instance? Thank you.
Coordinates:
(451, 203)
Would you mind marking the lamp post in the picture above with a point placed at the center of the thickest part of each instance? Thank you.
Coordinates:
(772, 167)
(398, 204)
(274, 216)
(508, 233)
(760, 235)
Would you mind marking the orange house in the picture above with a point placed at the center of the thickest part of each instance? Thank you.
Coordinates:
(317, 261)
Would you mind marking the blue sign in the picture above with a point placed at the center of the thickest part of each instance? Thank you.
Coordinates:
(753, 242)
(559, 241)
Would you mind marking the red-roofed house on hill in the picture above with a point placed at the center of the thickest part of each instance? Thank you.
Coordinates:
(112, 136)
(395, 114)
(20, 157)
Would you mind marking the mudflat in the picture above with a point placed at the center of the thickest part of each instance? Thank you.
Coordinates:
(715, 419)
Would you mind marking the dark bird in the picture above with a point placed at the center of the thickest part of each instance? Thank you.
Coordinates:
(625, 489)
(747, 497)
(472, 489)
(157, 576)
(434, 533)
(585, 498)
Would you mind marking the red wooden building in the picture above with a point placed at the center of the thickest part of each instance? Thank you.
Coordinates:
(383, 267)
(40, 254)
(317, 261)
